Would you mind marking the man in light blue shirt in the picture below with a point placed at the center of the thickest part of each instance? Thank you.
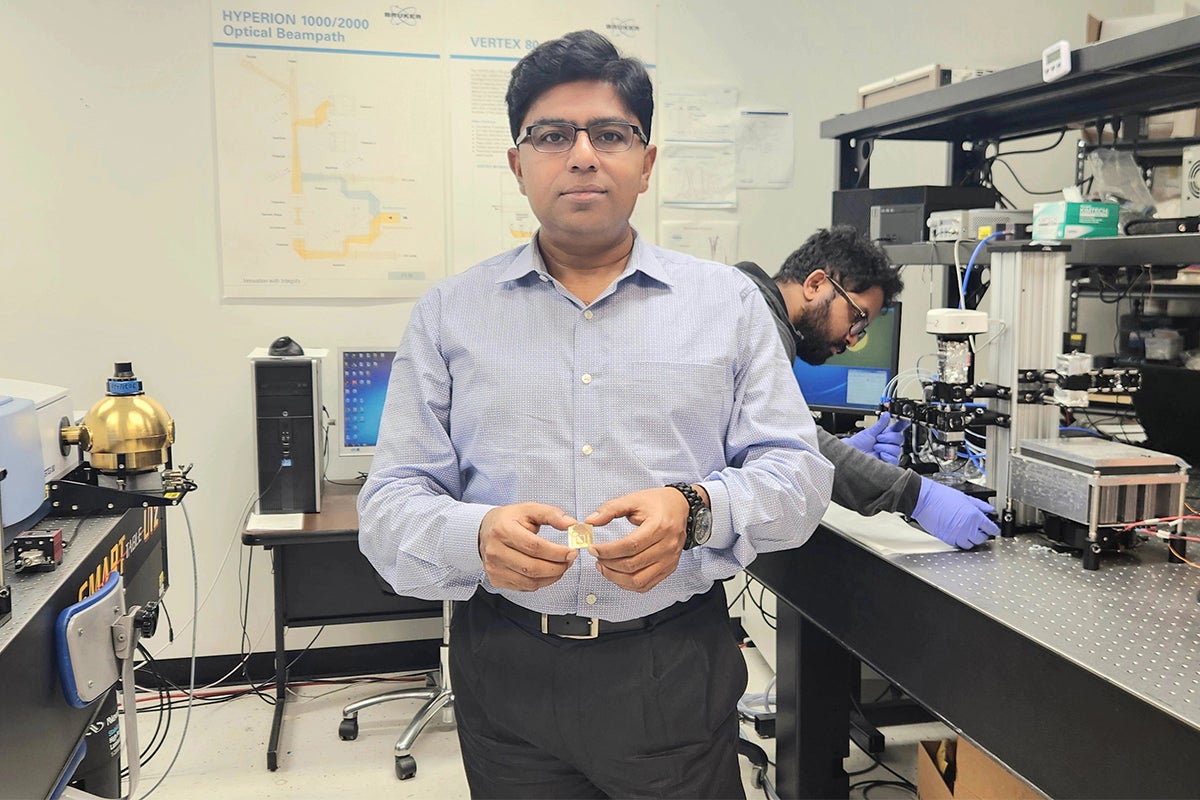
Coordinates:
(590, 377)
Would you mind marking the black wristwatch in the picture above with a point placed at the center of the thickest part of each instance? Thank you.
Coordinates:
(699, 522)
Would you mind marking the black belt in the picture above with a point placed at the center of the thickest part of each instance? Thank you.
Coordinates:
(570, 626)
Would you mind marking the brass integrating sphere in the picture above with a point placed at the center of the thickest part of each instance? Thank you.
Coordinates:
(125, 431)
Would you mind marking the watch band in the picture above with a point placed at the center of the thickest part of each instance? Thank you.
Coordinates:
(695, 503)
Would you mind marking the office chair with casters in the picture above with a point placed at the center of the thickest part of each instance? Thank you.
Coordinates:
(437, 696)
(758, 759)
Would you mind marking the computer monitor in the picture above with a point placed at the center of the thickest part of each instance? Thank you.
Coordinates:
(854, 381)
(364, 374)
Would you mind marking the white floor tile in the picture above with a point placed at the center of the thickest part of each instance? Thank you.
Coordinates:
(225, 751)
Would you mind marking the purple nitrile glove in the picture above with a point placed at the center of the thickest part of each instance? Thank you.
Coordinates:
(881, 440)
(889, 444)
(864, 440)
(953, 517)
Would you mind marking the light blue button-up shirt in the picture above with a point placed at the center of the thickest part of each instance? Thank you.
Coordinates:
(507, 388)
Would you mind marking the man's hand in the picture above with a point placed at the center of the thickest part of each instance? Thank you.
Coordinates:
(650, 552)
(514, 556)
(882, 440)
(954, 517)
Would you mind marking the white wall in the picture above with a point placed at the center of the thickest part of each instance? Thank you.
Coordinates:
(108, 237)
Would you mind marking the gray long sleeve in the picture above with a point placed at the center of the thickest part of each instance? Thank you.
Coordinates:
(865, 484)
(861, 482)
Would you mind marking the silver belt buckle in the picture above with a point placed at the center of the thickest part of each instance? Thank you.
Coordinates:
(593, 629)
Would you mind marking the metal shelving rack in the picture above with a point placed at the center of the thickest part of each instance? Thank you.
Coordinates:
(1114, 83)
(1144, 73)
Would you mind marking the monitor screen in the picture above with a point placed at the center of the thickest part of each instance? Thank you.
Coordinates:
(854, 381)
(364, 373)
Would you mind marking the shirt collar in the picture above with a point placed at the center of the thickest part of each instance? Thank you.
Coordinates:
(641, 259)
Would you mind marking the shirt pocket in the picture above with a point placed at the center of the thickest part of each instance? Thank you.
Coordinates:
(676, 415)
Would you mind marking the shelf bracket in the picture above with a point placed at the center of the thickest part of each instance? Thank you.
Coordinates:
(853, 163)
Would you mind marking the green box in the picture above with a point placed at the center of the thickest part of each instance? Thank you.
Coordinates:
(1066, 220)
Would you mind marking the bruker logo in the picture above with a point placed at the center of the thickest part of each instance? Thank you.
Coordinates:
(622, 27)
(403, 15)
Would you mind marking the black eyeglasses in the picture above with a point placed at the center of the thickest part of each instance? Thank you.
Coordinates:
(861, 317)
(559, 137)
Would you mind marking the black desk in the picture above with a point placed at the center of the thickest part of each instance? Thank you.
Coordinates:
(321, 578)
(1086, 683)
(39, 731)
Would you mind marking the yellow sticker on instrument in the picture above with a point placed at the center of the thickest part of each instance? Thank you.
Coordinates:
(579, 535)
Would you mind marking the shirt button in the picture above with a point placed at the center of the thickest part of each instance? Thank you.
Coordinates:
(587, 450)
(586, 378)
(543, 278)
(588, 314)
(591, 599)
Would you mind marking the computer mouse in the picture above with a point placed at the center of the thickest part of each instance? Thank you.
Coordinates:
(285, 346)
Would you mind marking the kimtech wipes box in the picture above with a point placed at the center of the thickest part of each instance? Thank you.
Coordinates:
(1067, 220)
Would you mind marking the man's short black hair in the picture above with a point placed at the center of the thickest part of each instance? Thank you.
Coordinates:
(846, 255)
(578, 56)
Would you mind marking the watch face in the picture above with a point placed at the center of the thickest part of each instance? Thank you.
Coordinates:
(703, 527)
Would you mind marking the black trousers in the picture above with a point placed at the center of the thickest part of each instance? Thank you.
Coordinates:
(649, 713)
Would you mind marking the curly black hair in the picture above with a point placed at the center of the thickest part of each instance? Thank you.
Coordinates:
(578, 56)
(846, 255)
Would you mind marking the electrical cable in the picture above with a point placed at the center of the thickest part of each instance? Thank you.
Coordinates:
(750, 702)
(905, 781)
(1076, 429)
(886, 691)
(738, 596)
(1181, 558)
(192, 666)
(326, 418)
(245, 515)
(1062, 133)
(170, 627)
(995, 336)
(983, 174)
(974, 459)
(1024, 188)
(767, 616)
(866, 786)
(874, 763)
(962, 288)
(958, 265)
(326, 425)
(164, 713)
(1157, 520)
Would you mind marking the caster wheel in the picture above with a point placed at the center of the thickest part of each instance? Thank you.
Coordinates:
(348, 729)
(406, 767)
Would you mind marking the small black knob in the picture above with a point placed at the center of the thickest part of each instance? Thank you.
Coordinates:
(147, 619)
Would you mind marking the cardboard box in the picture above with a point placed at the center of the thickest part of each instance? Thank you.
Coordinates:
(914, 82)
(1174, 125)
(967, 773)
(904, 85)
(1066, 220)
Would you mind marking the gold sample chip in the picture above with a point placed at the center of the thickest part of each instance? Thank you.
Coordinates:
(579, 535)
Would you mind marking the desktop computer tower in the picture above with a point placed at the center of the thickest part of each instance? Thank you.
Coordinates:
(288, 442)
